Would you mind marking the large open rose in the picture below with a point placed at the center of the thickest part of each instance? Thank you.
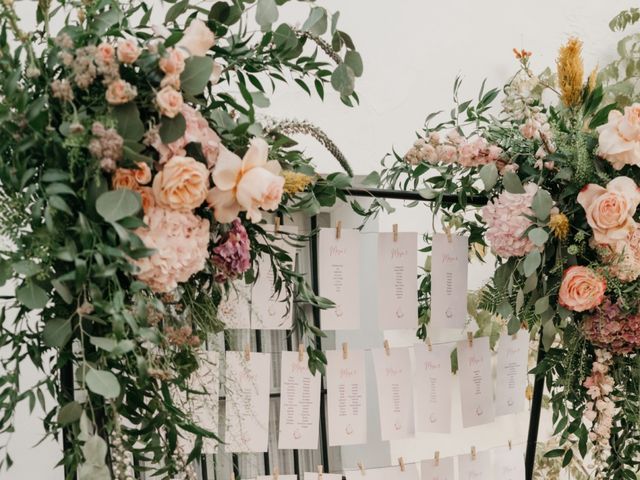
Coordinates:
(250, 184)
(182, 184)
(197, 38)
(581, 289)
(620, 137)
(610, 210)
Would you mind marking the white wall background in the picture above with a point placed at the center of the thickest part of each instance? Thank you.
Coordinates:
(412, 49)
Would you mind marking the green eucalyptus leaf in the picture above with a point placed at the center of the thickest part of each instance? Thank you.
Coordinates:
(107, 344)
(266, 13)
(171, 129)
(531, 262)
(316, 23)
(489, 176)
(354, 60)
(57, 332)
(32, 296)
(118, 204)
(128, 122)
(103, 383)
(343, 79)
(542, 204)
(538, 236)
(196, 75)
(512, 183)
(69, 413)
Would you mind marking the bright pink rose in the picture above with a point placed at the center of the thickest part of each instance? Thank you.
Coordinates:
(619, 140)
(128, 51)
(197, 38)
(610, 210)
(581, 289)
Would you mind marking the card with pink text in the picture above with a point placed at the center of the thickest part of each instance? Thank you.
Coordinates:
(509, 463)
(346, 398)
(442, 469)
(511, 379)
(475, 468)
(433, 384)
(476, 382)
(449, 264)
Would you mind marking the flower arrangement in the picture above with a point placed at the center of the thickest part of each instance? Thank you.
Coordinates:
(135, 185)
(561, 183)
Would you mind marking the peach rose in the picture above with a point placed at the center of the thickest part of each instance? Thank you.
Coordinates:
(610, 210)
(581, 289)
(148, 200)
(619, 140)
(172, 81)
(120, 92)
(106, 53)
(142, 174)
(250, 184)
(182, 184)
(172, 63)
(169, 102)
(128, 51)
(197, 38)
(124, 178)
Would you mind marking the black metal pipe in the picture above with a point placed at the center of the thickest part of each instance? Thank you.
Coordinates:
(534, 418)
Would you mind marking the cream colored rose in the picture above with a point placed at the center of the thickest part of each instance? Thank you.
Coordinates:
(610, 210)
(197, 38)
(260, 188)
(120, 92)
(169, 102)
(143, 173)
(619, 139)
(182, 184)
(128, 51)
(581, 289)
(172, 62)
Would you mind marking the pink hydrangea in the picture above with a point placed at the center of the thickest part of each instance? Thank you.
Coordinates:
(622, 258)
(197, 131)
(609, 327)
(180, 240)
(231, 256)
(506, 222)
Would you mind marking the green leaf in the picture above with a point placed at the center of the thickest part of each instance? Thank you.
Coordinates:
(171, 129)
(69, 413)
(28, 268)
(128, 122)
(117, 204)
(601, 117)
(512, 183)
(316, 23)
(531, 263)
(428, 193)
(176, 10)
(62, 290)
(542, 305)
(558, 452)
(489, 176)
(541, 204)
(354, 60)
(343, 80)
(103, 383)
(196, 74)
(538, 236)
(266, 13)
(59, 189)
(372, 179)
(107, 344)
(57, 332)
(105, 20)
(32, 296)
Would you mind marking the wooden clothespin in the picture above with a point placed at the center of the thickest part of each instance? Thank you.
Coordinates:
(395, 232)
(429, 346)
(319, 472)
(447, 231)
(436, 458)
(276, 224)
(474, 453)
(401, 463)
(361, 468)
(247, 352)
(514, 336)
(276, 473)
(301, 352)
(470, 339)
(387, 349)
(338, 229)
(510, 444)
(345, 351)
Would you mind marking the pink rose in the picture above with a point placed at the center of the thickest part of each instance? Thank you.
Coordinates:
(142, 174)
(169, 102)
(172, 63)
(105, 53)
(250, 184)
(128, 51)
(610, 210)
(581, 289)
(197, 38)
(120, 92)
(620, 137)
(182, 184)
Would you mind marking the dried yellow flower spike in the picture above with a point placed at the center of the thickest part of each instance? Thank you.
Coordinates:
(295, 182)
(593, 76)
(570, 72)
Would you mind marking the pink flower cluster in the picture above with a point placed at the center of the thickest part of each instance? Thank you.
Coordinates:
(231, 256)
(610, 328)
(601, 409)
(181, 240)
(197, 131)
(506, 222)
(454, 148)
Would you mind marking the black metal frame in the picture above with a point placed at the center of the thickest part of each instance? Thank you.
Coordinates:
(66, 376)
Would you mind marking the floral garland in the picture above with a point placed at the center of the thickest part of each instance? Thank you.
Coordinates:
(561, 182)
(135, 187)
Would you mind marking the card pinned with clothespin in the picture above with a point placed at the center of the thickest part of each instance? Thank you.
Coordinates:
(470, 339)
(338, 229)
(510, 445)
(247, 352)
(345, 351)
(301, 352)
(436, 458)
(276, 473)
(361, 468)
(387, 348)
(395, 232)
(320, 469)
(474, 453)
(276, 224)
(429, 345)
(447, 232)
(401, 463)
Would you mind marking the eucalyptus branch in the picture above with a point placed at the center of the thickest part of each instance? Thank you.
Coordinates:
(324, 45)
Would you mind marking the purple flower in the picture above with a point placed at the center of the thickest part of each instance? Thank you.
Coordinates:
(231, 256)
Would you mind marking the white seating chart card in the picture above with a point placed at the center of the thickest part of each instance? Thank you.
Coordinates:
(449, 264)
(324, 476)
(346, 398)
(511, 379)
(433, 386)
(234, 309)
(268, 312)
(476, 382)
(372, 474)
(280, 477)
(247, 402)
(437, 470)
(299, 403)
(509, 463)
(397, 281)
(395, 392)
(396, 473)
(478, 468)
(339, 278)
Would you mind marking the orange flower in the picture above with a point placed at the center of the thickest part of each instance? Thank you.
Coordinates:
(124, 178)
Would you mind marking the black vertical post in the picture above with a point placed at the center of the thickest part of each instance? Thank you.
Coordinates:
(534, 419)
(316, 323)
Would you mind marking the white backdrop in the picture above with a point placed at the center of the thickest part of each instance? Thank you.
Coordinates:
(412, 49)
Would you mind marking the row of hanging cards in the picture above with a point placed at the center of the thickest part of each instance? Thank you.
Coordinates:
(339, 279)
